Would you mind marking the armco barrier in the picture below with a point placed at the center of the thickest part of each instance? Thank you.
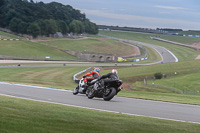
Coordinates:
(136, 60)
(75, 78)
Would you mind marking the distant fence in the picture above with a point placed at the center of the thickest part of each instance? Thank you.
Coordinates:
(191, 92)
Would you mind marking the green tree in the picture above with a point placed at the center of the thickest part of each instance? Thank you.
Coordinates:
(22, 27)
(33, 29)
(50, 17)
(51, 26)
(1, 13)
(62, 26)
(13, 26)
(43, 26)
(1, 3)
(81, 27)
(76, 26)
(73, 27)
(90, 27)
(9, 16)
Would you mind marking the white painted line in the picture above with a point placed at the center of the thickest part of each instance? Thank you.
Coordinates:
(176, 59)
(32, 86)
(99, 109)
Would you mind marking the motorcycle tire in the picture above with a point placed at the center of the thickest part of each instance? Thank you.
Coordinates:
(110, 95)
(75, 91)
(90, 92)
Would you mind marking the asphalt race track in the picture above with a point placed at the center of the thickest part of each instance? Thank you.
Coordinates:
(129, 106)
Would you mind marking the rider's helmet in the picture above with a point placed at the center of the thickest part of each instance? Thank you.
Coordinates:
(97, 70)
(114, 71)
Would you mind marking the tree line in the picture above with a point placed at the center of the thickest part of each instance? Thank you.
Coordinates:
(28, 17)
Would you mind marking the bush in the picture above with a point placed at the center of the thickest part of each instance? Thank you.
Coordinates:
(158, 75)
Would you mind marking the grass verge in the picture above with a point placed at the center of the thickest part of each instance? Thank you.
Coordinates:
(26, 116)
(167, 97)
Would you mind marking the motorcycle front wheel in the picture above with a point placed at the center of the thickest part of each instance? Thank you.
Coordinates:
(90, 92)
(109, 94)
(75, 91)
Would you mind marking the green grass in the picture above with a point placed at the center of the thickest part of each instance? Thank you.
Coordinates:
(167, 97)
(152, 57)
(30, 50)
(5, 35)
(56, 77)
(190, 32)
(169, 68)
(181, 39)
(53, 47)
(188, 81)
(96, 45)
(182, 53)
(24, 116)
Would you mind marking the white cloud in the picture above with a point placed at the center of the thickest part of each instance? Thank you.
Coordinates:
(141, 20)
(170, 7)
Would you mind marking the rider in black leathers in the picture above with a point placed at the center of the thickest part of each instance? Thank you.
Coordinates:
(109, 77)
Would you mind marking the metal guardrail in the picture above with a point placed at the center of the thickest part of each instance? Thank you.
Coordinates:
(75, 75)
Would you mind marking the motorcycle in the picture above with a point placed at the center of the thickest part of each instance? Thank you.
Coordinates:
(107, 92)
(82, 86)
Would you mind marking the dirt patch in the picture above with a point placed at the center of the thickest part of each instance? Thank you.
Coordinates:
(198, 57)
(197, 44)
(126, 86)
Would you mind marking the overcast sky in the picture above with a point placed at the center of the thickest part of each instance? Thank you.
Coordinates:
(184, 14)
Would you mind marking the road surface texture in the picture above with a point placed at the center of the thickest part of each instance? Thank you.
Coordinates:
(130, 106)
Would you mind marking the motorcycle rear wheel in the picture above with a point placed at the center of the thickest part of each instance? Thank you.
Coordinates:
(110, 95)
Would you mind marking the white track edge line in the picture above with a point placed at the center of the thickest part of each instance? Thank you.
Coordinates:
(33, 86)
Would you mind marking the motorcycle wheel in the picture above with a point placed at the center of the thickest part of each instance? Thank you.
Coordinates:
(75, 91)
(90, 92)
(108, 96)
